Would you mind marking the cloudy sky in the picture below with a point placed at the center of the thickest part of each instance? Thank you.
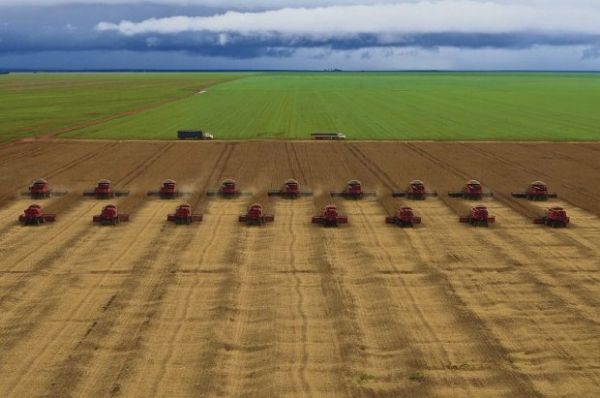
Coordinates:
(301, 34)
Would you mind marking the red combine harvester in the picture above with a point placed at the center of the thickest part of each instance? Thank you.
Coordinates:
(555, 217)
(183, 215)
(34, 215)
(40, 189)
(479, 216)
(228, 189)
(404, 217)
(104, 190)
(353, 190)
(537, 190)
(168, 190)
(290, 190)
(110, 216)
(472, 190)
(416, 190)
(330, 217)
(255, 216)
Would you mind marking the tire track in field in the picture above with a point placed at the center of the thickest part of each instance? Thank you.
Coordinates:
(581, 190)
(340, 299)
(66, 167)
(448, 277)
(30, 361)
(49, 305)
(120, 380)
(523, 385)
(161, 377)
(161, 275)
(44, 264)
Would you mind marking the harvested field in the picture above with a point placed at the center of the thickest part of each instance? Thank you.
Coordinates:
(291, 309)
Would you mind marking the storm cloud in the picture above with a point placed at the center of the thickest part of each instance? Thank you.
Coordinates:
(244, 30)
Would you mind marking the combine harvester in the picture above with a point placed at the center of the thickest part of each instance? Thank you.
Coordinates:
(479, 216)
(404, 217)
(110, 216)
(34, 215)
(290, 190)
(40, 189)
(183, 215)
(256, 216)
(353, 190)
(555, 217)
(329, 217)
(472, 190)
(104, 190)
(168, 190)
(228, 189)
(416, 191)
(537, 190)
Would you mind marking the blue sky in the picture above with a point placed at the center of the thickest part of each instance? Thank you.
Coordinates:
(301, 34)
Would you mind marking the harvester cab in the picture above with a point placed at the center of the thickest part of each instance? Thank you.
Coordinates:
(416, 190)
(40, 189)
(34, 215)
(472, 190)
(183, 215)
(104, 190)
(537, 190)
(256, 216)
(353, 190)
(479, 216)
(110, 216)
(404, 217)
(555, 217)
(290, 189)
(330, 217)
(168, 190)
(228, 189)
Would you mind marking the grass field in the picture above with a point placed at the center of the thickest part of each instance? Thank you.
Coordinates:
(411, 106)
(41, 104)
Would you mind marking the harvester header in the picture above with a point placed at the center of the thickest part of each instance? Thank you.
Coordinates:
(555, 217)
(471, 190)
(183, 215)
(479, 216)
(110, 216)
(228, 189)
(40, 189)
(537, 190)
(353, 190)
(256, 216)
(104, 190)
(330, 217)
(34, 215)
(290, 190)
(415, 190)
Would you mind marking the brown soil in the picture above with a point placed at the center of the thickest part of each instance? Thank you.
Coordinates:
(291, 309)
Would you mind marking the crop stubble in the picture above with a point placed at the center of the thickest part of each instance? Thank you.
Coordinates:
(291, 309)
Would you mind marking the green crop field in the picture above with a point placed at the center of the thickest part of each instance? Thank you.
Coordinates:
(47, 103)
(412, 106)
